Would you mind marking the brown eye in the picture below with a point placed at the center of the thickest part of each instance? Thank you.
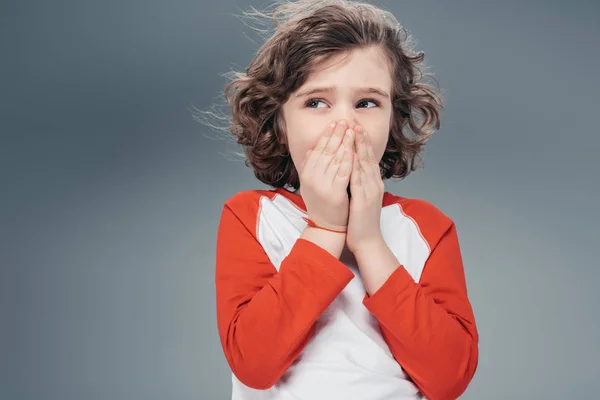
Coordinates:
(369, 101)
(312, 103)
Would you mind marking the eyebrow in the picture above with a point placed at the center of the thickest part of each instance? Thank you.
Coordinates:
(330, 89)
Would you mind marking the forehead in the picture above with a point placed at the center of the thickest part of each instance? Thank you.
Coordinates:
(361, 66)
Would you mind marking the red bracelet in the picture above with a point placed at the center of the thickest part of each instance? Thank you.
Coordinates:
(311, 223)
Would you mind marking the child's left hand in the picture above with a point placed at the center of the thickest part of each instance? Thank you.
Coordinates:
(367, 189)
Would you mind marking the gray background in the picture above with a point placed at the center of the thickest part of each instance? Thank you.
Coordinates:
(111, 191)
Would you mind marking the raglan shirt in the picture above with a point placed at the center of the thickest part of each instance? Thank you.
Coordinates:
(296, 323)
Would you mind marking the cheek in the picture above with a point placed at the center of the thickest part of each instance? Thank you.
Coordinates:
(300, 140)
(379, 139)
(379, 146)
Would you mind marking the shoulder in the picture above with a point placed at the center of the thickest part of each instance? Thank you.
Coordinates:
(420, 209)
(246, 204)
(429, 219)
(247, 198)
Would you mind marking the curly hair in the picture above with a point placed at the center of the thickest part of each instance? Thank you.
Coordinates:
(308, 32)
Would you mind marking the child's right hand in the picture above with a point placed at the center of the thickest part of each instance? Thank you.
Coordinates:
(325, 177)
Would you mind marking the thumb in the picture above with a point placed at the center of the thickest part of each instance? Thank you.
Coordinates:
(308, 153)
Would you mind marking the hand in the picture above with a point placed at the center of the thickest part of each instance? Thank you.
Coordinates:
(367, 189)
(325, 175)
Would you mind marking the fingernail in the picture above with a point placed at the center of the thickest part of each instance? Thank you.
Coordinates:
(349, 132)
(332, 125)
(343, 122)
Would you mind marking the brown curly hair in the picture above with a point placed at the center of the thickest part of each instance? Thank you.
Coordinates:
(308, 32)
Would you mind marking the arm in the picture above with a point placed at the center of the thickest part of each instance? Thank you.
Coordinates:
(429, 326)
(266, 317)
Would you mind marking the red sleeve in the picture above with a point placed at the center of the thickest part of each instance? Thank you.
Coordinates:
(266, 317)
(429, 326)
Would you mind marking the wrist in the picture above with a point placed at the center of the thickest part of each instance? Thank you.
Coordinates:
(336, 229)
(332, 242)
(366, 248)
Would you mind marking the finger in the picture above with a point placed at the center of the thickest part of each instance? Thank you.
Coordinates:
(306, 158)
(369, 163)
(332, 146)
(361, 144)
(334, 165)
(356, 177)
(321, 144)
(357, 182)
(344, 172)
(370, 151)
(366, 177)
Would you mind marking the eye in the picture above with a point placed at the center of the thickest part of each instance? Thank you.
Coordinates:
(312, 103)
(369, 101)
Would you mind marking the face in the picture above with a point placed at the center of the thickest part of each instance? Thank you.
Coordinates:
(354, 86)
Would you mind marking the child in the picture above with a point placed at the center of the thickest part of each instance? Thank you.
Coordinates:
(328, 287)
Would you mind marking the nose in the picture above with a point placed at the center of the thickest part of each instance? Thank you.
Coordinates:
(349, 114)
